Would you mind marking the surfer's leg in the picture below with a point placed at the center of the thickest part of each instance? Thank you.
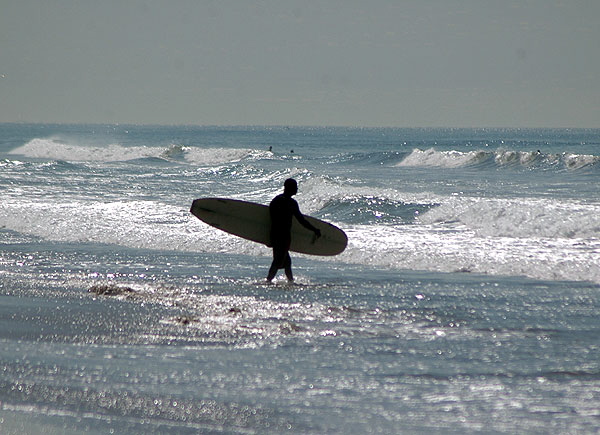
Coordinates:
(278, 262)
(281, 258)
(287, 265)
(272, 272)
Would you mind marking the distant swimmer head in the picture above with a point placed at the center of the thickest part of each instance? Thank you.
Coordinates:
(290, 187)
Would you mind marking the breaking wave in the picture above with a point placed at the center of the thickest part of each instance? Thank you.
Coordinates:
(519, 218)
(58, 150)
(500, 158)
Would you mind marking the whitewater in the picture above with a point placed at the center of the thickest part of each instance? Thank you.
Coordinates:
(473, 259)
(501, 215)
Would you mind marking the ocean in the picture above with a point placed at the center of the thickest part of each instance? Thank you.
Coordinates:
(467, 300)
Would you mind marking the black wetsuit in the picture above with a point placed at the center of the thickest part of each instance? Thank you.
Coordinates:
(282, 209)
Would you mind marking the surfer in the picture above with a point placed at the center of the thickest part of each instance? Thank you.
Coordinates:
(282, 209)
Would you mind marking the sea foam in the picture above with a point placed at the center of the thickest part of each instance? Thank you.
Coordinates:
(524, 217)
(56, 149)
(445, 159)
(500, 158)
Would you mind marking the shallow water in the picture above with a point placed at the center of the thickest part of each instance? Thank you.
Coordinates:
(466, 301)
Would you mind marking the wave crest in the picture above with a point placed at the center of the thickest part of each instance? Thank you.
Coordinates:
(500, 158)
(55, 149)
(523, 218)
(444, 159)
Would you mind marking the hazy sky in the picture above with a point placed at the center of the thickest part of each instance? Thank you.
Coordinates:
(399, 63)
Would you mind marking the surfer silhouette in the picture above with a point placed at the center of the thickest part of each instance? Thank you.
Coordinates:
(283, 208)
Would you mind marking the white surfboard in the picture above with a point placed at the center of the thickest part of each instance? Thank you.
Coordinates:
(252, 221)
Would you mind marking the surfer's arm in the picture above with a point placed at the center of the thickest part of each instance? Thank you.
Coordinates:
(305, 223)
